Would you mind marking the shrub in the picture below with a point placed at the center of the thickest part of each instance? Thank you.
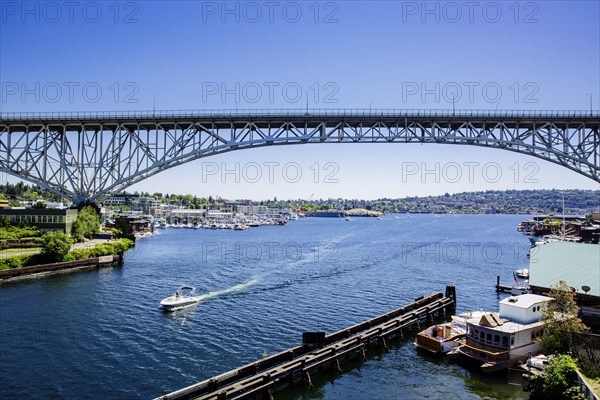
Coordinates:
(558, 381)
(103, 249)
(55, 246)
(14, 262)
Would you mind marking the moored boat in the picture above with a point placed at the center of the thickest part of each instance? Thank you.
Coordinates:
(522, 273)
(442, 338)
(502, 340)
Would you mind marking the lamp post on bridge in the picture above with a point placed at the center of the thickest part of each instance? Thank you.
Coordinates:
(591, 109)
(154, 103)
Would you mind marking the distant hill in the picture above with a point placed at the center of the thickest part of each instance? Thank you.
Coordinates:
(491, 201)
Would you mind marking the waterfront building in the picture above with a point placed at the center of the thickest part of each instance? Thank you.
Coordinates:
(219, 216)
(146, 205)
(578, 264)
(46, 219)
(185, 215)
(134, 223)
(115, 201)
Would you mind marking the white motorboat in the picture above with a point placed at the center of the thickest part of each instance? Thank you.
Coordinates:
(183, 297)
(522, 273)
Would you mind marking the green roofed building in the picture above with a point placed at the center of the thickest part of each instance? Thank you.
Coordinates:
(576, 263)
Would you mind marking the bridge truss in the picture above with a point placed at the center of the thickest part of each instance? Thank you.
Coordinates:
(89, 156)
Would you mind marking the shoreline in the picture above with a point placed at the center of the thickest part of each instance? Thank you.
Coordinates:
(41, 271)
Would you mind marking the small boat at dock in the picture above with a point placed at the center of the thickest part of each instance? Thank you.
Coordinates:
(522, 273)
(183, 297)
(442, 338)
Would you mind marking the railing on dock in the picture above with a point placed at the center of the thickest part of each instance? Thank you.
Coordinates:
(258, 378)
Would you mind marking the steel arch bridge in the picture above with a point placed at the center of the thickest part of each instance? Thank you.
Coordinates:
(87, 156)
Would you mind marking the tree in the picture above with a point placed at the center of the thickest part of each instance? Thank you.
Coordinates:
(560, 320)
(55, 245)
(87, 223)
(558, 381)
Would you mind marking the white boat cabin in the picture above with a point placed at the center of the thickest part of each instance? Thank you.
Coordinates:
(509, 334)
(524, 309)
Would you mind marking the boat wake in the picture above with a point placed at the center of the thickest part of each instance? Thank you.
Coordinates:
(240, 287)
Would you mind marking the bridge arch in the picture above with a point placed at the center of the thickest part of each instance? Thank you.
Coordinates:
(89, 156)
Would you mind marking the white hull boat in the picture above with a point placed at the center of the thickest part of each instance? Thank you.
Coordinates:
(523, 273)
(183, 297)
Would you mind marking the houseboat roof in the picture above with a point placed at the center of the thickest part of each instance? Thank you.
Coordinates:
(505, 326)
(525, 300)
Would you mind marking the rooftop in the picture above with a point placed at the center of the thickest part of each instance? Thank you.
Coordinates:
(505, 326)
(524, 300)
(576, 263)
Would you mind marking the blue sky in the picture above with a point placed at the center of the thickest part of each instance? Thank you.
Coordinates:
(356, 54)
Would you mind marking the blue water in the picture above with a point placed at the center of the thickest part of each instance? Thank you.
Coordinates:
(100, 334)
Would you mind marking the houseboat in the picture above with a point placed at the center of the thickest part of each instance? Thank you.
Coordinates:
(440, 339)
(502, 340)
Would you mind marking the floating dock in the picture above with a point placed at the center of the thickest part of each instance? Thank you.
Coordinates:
(257, 379)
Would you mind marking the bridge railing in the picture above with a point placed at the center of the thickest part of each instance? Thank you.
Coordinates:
(295, 113)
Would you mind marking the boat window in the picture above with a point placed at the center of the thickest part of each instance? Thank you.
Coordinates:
(482, 336)
(512, 340)
(496, 340)
(489, 338)
(476, 333)
(504, 341)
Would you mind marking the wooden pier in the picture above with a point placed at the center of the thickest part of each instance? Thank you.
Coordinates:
(502, 288)
(257, 379)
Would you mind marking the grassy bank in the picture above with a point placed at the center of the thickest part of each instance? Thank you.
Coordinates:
(103, 249)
